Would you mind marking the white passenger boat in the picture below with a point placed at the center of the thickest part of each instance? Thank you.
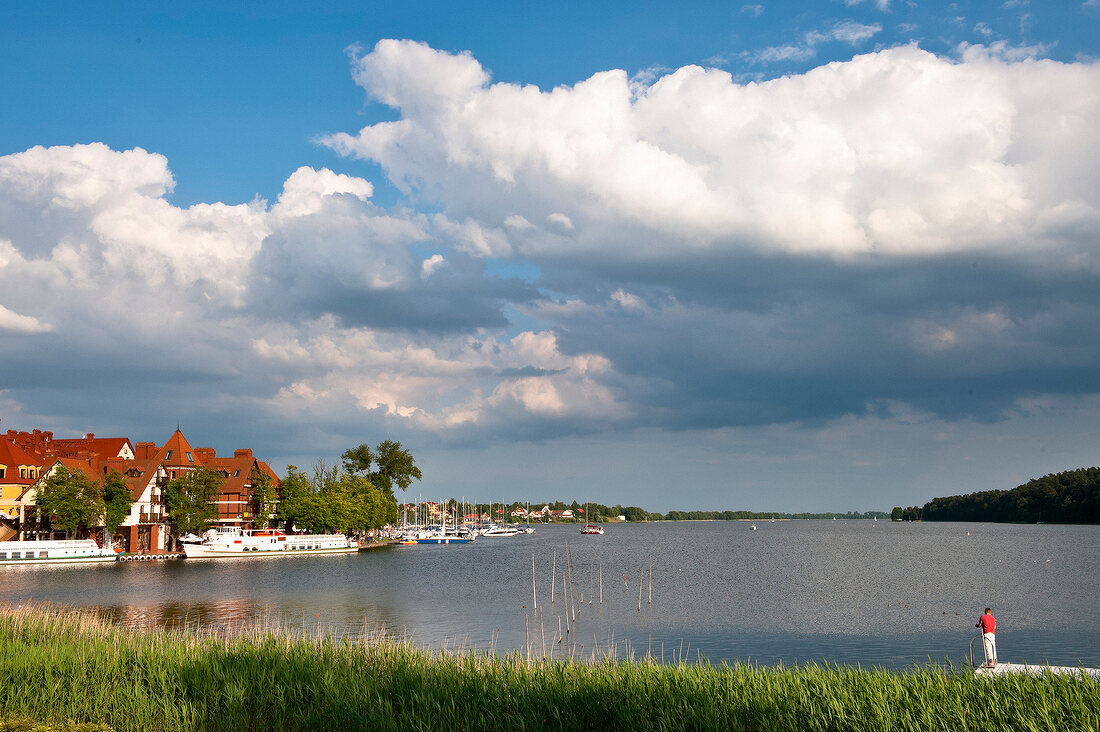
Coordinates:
(62, 551)
(232, 542)
(592, 529)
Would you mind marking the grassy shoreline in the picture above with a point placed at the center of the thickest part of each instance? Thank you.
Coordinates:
(68, 667)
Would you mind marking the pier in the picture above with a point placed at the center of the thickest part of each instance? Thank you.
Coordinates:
(1002, 669)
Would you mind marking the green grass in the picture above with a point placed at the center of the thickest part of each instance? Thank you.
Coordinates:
(67, 668)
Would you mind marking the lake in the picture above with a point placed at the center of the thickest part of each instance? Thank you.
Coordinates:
(849, 592)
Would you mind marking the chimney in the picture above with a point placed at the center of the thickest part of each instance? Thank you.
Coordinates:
(243, 453)
(205, 454)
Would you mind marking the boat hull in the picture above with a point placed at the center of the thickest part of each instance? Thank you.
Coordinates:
(201, 552)
(75, 551)
(267, 543)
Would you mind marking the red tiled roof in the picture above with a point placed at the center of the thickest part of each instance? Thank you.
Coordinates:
(177, 452)
(137, 474)
(12, 456)
(104, 447)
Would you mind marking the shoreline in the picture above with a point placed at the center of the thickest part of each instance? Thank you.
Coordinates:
(68, 667)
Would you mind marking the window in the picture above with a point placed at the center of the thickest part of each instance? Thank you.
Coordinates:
(237, 474)
(3, 470)
(168, 455)
(22, 472)
(189, 458)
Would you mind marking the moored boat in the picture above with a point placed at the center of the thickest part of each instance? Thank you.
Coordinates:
(232, 542)
(61, 551)
(495, 530)
(591, 529)
(441, 538)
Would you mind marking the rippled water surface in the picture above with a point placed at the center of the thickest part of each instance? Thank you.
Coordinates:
(873, 593)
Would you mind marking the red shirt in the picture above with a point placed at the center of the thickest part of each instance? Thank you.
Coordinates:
(988, 623)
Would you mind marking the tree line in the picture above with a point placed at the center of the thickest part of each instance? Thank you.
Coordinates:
(766, 515)
(1070, 497)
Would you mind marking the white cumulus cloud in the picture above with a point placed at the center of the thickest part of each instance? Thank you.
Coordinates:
(895, 152)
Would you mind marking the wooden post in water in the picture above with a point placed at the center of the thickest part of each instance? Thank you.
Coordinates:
(601, 583)
(650, 577)
(534, 595)
(565, 597)
(553, 577)
(641, 580)
(542, 632)
(590, 583)
(527, 637)
(571, 605)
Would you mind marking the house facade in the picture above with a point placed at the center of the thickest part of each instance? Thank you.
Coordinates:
(19, 469)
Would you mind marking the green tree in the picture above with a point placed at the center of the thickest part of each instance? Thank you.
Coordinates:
(116, 499)
(358, 459)
(332, 499)
(385, 466)
(191, 498)
(264, 499)
(70, 500)
(294, 491)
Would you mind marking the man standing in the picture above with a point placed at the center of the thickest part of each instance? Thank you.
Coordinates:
(988, 624)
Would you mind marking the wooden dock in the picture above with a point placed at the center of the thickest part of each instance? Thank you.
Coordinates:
(364, 546)
(1002, 669)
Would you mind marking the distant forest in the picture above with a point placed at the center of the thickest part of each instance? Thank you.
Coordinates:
(765, 515)
(1072, 497)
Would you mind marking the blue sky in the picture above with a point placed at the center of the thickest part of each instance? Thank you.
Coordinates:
(791, 256)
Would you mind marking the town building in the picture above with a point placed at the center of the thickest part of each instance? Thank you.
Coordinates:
(146, 469)
(19, 469)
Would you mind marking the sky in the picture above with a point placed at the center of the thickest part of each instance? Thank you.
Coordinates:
(780, 256)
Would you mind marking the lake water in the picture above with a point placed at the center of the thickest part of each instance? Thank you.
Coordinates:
(849, 592)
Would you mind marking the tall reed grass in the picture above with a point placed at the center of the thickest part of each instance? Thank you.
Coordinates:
(64, 666)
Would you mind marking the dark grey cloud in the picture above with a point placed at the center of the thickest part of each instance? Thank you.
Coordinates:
(295, 281)
(756, 340)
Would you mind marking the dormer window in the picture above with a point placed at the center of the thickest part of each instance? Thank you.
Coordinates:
(3, 470)
(189, 458)
(22, 472)
(168, 455)
(237, 474)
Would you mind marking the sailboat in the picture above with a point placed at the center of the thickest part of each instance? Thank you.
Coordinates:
(441, 536)
(590, 528)
(529, 529)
